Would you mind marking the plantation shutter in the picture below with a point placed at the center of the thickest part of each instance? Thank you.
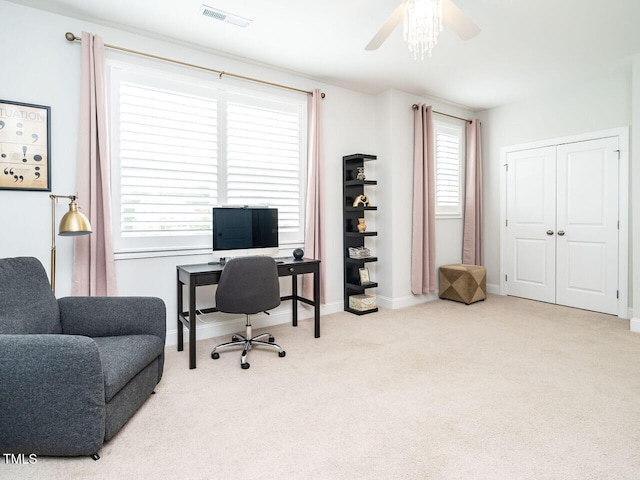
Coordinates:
(447, 158)
(263, 160)
(168, 161)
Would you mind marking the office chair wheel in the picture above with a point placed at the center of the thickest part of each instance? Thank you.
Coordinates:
(282, 354)
(215, 355)
(245, 365)
(234, 339)
(271, 339)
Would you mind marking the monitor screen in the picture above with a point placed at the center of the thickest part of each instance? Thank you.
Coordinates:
(237, 228)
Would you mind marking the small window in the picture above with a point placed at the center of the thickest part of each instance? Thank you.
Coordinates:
(448, 169)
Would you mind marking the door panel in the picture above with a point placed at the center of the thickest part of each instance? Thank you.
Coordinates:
(531, 213)
(587, 211)
(526, 270)
(584, 276)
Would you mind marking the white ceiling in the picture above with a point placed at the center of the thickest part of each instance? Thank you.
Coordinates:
(525, 45)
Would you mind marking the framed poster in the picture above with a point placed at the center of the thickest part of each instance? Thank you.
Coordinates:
(25, 160)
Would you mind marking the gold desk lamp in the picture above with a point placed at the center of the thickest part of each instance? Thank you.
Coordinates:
(72, 223)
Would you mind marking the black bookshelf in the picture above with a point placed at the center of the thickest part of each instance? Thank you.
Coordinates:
(352, 187)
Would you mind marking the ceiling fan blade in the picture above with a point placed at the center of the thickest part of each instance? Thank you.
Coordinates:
(457, 20)
(386, 29)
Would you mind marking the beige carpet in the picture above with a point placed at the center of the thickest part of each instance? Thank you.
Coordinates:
(502, 389)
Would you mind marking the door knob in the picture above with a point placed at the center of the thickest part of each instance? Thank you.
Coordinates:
(549, 232)
(561, 232)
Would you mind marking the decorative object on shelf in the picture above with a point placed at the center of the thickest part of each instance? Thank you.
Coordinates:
(362, 227)
(361, 176)
(364, 276)
(298, 253)
(361, 199)
(362, 302)
(359, 252)
(25, 163)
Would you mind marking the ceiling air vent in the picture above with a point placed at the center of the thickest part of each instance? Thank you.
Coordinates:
(217, 14)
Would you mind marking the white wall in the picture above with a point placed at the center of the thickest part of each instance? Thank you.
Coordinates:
(599, 104)
(41, 71)
(395, 169)
(635, 197)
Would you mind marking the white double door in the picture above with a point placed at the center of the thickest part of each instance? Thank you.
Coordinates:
(562, 224)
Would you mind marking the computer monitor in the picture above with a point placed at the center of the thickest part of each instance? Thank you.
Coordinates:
(241, 231)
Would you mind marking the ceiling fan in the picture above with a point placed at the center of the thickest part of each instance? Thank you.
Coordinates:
(452, 17)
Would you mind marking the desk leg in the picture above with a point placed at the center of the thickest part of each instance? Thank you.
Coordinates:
(294, 299)
(316, 301)
(180, 327)
(192, 325)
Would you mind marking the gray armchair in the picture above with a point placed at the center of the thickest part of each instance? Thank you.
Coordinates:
(73, 371)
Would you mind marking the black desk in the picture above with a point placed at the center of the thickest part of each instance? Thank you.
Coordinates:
(198, 275)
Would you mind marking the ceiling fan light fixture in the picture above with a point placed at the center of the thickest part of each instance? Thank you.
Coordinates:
(422, 24)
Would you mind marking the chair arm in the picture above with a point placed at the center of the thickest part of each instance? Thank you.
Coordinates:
(113, 316)
(51, 395)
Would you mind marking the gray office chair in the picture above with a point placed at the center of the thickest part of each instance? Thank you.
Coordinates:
(248, 285)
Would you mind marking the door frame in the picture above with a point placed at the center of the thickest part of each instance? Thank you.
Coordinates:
(623, 204)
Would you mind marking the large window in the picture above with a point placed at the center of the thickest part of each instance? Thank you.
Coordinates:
(449, 152)
(181, 145)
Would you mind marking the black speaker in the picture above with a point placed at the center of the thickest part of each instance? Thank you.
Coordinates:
(298, 253)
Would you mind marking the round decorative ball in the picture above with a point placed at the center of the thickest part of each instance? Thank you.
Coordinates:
(298, 253)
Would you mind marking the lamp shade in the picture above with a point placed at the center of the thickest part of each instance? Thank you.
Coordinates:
(73, 222)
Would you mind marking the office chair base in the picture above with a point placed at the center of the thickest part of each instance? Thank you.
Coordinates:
(242, 338)
(247, 343)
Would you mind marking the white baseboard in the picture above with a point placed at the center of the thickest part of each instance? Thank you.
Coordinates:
(212, 325)
(329, 308)
(410, 300)
(406, 301)
(634, 325)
